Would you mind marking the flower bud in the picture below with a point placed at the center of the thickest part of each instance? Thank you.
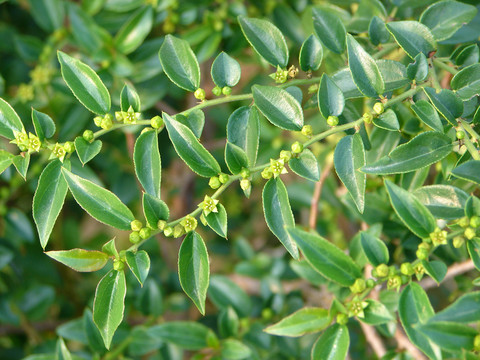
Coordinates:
(475, 221)
(332, 120)
(382, 270)
(378, 108)
(297, 147)
(136, 225)
(469, 233)
(69, 147)
(168, 231)
(267, 173)
(217, 91)
(245, 173)
(407, 269)
(245, 184)
(342, 319)
(367, 118)
(226, 91)
(223, 178)
(458, 241)
(422, 253)
(285, 155)
(145, 233)
(460, 134)
(156, 122)
(134, 237)
(358, 286)
(214, 182)
(88, 135)
(161, 224)
(199, 94)
(307, 130)
(118, 265)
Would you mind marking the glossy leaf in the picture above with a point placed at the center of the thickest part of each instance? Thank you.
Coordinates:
(189, 149)
(305, 165)
(235, 158)
(180, 63)
(195, 121)
(423, 150)
(377, 32)
(330, 30)
(9, 120)
(413, 37)
(154, 209)
(428, 115)
(21, 163)
(375, 249)
(225, 71)
(376, 313)
(100, 203)
(466, 83)
(447, 103)
(223, 292)
(5, 160)
(363, 67)
(444, 201)
(108, 306)
(278, 213)
(418, 70)
(411, 211)
(465, 309)
(129, 97)
(139, 264)
(148, 165)
(218, 221)
(243, 130)
(473, 247)
(194, 269)
(80, 259)
(435, 269)
(469, 171)
(304, 321)
(134, 31)
(449, 336)
(188, 335)
(387, 121)
(266, 39)
(278, 106)
(348, 158)
(44, 125)
(48, 199)
(86, 151)
(311, 54)
(332, 344)
(235, 350)
(326, 258)
(330, 98)
(48, 14)
(61, 351)
(85, 84)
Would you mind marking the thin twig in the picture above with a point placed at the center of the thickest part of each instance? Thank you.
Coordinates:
(316, 195)
(453, 270)
(404, 343)
(373, 339)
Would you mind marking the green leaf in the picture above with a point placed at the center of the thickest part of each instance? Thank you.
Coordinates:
(85, 31)
(187, 335)
(349, 156)
(134, 31)
(189, 149)
(375, 249)
(194, 269)
(195, 121)
(423, 150)
(466, 82)
(48, 14)
(332, 344)
(6, 160)
(376, 313)
(446, 17)
(304, 321)
(415, 309)
(9, 120)
(243, 130)
(305, 165)
(139, 263)
(129, 97)
(235, 350)
(218, 221)
(444, 201)
(377, 32)
(330, 98)
(48, 199)
(413, 37)
(225, 71)
(411, 211)
(279, 107)
(223, 292)
(180, 63)
(100, 203)
(94, 338)
(311, 54)
(80, 259)
(330, 30)
(435, 269)
(449, 336)
(363, 67)
(387, 121)
(469, 171)
(86, 151)
(154, 209)
(418, 70)
(21, 162)
(447, 103)
(110, 248)
(61, 351)
(326, 258)
(465, 309)
(148, 165)
(85, 84)
(108, 306)
(266, 40)
(428, 115)
(235, 158)
(44, 125)
(473, 247)
(278, 213)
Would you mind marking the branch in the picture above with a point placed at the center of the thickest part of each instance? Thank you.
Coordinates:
(404, 343)
(316, 195)
(453, 270)
(373, 339)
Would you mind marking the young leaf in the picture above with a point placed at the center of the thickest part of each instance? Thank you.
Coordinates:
(446, 17)
(48, 199)
(413, 37)
(326, 258)
(427, 114)
(80, 259)
(423, 150)
(194, 269)
(243, 130)
(311, 54)
(332, 344)
(305, 165)
(447, 103)
(134, 31)
(148, 165)
(86, 151)
(375, 249)
(154, 209)
(330, 30)
(450, 336)
(108, 306)
(235, 158)
(9, 120)
(225, 71)
(377, 32)
(189, 149)
(465, 309)
(6, 160)
(469, 171)
(418, 70)
(85, 84)
(376, 313)
(414, 309)
(188, 335)
(330, 97)
(266, 39)
(218, 221)
(278, 213)
(363, 67)
(388, 121)
(435, 269)
(180, 63)
(466, 82)
(44, 125)
(21, 162)
(444, 201)
(279, 107)
(304, 321)
(100, 203)
(129, 97)
(349, 156)
(235, 350)
(411, 211)
(139, 263)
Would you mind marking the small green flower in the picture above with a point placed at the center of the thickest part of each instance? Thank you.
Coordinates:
(168, 231)
(208, 205)
(41, 75)
(178, 231)
(34, 143)
(189, 223)
(438, 237)
(469, 233)
(379, 108)
(382, 270)
(245, 184)
(118, 265)
(130, 116)
(458, 241)
(285, 155)
(25, 93)
(267, 173)
(297, 147)
(107, 122)
(355, 308)
(161, 224)
(394, 283)
(59, 152)
(367, 118)
(278, 167)
(223, 178)
(358, 286)
(280, 76)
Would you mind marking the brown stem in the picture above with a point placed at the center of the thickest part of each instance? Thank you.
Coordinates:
(316, 195)
(404, 343)
(373, 339)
